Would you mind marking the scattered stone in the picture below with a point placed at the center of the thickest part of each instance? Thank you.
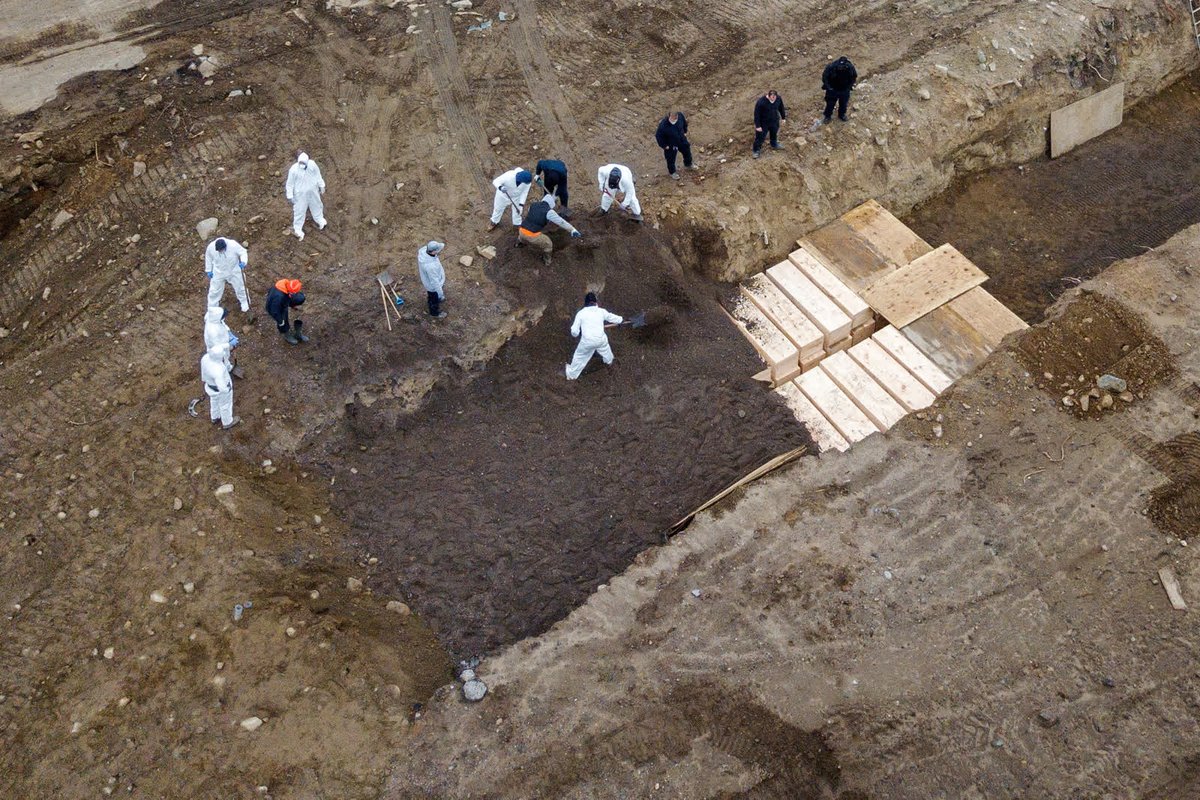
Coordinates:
(234, 93)
(61, 515)
(60, 219)
(207, 68)
(152, 100)
(488, 251)
(257, 218)
(189, 587)
(206, 227)
(1107, 681)
(466, 261)
(695, 592)
(177, 504)
(937, 431)
(998, 743)
(157, 597)
(474, 690)
(461, 5)
(4, 332)
(30, 137)
(109, 653)
(251, 724)
(95, 512)
(198, 50)
(1047, 718)
(124, 701)
(1106, 401)
(1068, 401)
(1125, 397)
(1084, 402)
(1111, 383)
(923, 93)
(224, 488)
(887, 574)
(354, 585)
(495, 141)
(466, 675)
(291, 632)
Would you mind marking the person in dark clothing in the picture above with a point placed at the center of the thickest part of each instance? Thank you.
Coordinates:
(552, 176)
(768, 113)
(533, 227)
(837, 81)
(672, 138)
(284, 295)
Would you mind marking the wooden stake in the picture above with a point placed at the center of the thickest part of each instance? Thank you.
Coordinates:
(386, 315)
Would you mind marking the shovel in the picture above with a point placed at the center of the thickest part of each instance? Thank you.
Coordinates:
(650, 318)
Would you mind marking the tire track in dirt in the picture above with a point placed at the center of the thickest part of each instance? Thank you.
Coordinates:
(542, 81)
(441, 52)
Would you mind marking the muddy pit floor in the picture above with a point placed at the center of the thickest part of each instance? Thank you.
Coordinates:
(1035, 227)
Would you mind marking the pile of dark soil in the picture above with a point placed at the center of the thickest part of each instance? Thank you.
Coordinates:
(1175, 506)
(505, 501)
(1094, 336)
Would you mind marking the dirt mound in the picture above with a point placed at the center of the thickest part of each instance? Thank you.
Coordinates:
(507, 500)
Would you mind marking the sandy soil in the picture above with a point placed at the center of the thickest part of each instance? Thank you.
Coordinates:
(971, 615)
(111, 489)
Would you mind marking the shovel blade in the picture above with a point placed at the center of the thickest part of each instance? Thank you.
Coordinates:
(638, 320)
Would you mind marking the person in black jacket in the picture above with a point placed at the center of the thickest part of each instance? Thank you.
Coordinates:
(284, 295)
(551, 174)
(837, 81)
(672, 138)
(768, 113)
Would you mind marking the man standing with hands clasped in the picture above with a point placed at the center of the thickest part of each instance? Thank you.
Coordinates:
(768, 114)
(672, 138)
(433, 277)
(837, 81)
(304, 188)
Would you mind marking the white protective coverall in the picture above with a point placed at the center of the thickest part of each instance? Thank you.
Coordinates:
(607, 195)
(216, 332)
(304, 188)
(509, 193)
(429, 267)
(226, 267)
(218, 384)
(589, 327)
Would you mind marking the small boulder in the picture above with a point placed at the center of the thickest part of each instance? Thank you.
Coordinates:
(1111, 383)
(396, 607)
(157, 597)
(354, 585)
(466, 261)
(251, 724)
(474, 690)
(207, 68)
(60, 219)
(207, 227)
(224, 488)
(487, 251)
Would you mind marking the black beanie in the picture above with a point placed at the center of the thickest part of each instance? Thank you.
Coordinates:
(589, 299)
(614, 178)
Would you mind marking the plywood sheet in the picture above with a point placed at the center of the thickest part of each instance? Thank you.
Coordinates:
(894, 241)
(786, 315)
(847, 254)
(987, 315)
(1075, 124)
(898, 347)
(840, 410)
(909, 293)
(776, 349)
(819, 427)
(950, 341)
(816, 305)
(842, 295)
(866, 392)
(892, 375)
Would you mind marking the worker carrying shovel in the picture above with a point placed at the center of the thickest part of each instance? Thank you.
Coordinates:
(286, 294)
(589, 328)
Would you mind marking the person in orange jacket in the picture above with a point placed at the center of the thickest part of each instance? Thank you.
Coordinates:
(284, 295)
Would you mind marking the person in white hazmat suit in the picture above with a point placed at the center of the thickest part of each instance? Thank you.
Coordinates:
(512, 189)
(433, 277)
(589, 327)
(224, 262)
(218, 385)
(216, 332)
(304, 188)
(616, 179)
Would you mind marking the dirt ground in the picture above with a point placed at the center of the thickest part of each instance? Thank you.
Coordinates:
(1038, 228)
(375, 529)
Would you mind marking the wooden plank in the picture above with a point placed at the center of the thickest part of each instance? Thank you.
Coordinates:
(839, 346)
(819, 427)
(1086, 119)
(862, 332)
(916, 362)
(987, 315)
(777, 350)
(840, 410)
(1171, 585)
(894, 241)
(824, 313)
(842, 295)
(909, 293)
(846, 254)
(950, 341)
(780, 309)
(879, 406)
(892, 375)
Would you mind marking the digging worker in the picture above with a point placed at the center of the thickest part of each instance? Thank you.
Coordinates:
(512, 189)
(769, 113)
(224, 262)
(216, 332)
(218, 385)
(551, 174)
(286, 294)
(533, 228)
(837, 81)
(304, 188)
(616, 179)
(433, 277)
(672, 138)
(589, 328)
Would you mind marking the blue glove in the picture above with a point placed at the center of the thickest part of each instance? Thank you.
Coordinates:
(209, 274)
(242, 264)
(233, 340)
(576, 235)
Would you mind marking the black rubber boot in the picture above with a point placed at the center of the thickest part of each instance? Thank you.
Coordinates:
(299, 334)
(288, 337)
